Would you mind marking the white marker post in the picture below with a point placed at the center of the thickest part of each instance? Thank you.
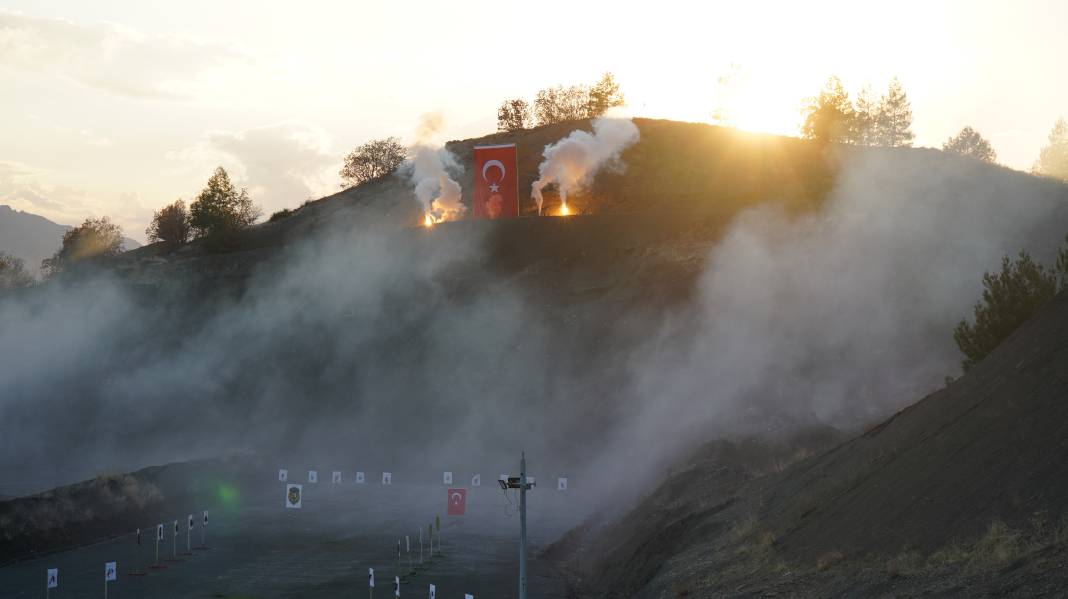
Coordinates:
(51, 580)
(109, 575)
(189, 535)
(420, 545)
(159, 538)
(408, 550)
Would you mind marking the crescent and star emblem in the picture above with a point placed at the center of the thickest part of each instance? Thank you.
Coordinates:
(457, 498)
(493, 164)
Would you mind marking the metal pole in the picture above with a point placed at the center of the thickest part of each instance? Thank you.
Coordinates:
(523, 526)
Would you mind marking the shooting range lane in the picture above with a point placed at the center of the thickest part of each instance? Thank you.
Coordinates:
(261, 549)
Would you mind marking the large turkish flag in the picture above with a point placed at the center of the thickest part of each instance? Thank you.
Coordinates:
(457, 502)
(496, 182)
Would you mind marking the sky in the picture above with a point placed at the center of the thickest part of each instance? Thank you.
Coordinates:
(117, 108)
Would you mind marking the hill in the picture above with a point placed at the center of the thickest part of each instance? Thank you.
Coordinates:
(962, 493)
(34, 238)
(722, 285)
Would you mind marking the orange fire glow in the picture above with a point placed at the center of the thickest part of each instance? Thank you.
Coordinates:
(428, 221)
(564, 210)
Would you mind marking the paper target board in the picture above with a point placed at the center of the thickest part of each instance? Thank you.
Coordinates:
(190, 521)
(335, 477)
(283, 475)
(433, 592)
(313, 476)
(476, 480)
(371, 577)
(53, 578)
(561, 484)
(159, 532)
(359, 478)
(205, 518)
(110, 571)
(447, 478)
(294, 496)
(387, 478)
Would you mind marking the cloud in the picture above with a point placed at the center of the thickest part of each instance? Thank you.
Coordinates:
(281, 164)
(109, 57)
(25, 188)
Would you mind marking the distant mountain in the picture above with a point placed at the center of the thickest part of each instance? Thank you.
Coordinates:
(33, 238)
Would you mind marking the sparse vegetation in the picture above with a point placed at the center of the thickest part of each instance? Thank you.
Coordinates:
(829, 560)
(281, 214)
(904, 564)
(94, 238)
(1010, 297)
(374, 159)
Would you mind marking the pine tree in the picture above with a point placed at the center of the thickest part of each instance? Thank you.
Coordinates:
(1053, 159)
(894, 118)
(969, 143)
(865, 121)
(829, 117)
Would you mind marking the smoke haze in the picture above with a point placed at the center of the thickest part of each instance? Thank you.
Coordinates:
(428, 165)
(382, 349)
(573, 162)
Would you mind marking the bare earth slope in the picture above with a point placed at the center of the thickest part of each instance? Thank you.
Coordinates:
(961, 494)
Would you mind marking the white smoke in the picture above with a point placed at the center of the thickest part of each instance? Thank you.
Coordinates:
(572, 162)
(429, 164)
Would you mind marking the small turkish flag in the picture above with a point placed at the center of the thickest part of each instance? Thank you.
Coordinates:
(496, 182)
(457, 502)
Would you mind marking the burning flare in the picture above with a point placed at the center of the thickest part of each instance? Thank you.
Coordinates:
(572, 162)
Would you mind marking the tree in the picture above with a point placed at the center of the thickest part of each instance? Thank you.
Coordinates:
(829, 117)
(374, 159)
(13, 274)
(602, 96)
(1009, 298)
(170, 225)
(969, 143)
(559, 104)
(94, 238)
(865, 121)
(220, 208)
(514, 115)
(1053, 159)
(894, 118)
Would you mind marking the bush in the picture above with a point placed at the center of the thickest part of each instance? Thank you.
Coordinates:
(1010, 297)
(283, 213)
(94, 238)
(13, 274)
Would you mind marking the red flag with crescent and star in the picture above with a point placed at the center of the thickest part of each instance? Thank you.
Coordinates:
(457, 502)
(496, 182)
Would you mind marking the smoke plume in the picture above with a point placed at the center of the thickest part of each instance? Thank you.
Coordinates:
(429, 164)
(572, 162)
